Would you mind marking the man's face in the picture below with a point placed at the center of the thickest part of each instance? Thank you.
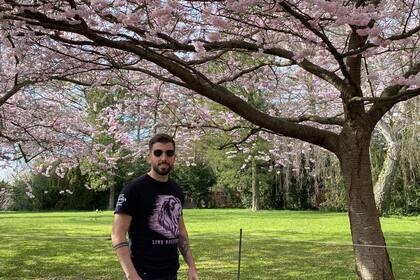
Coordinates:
(162, 158)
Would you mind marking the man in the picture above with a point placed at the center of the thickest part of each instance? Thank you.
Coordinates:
(150, 210)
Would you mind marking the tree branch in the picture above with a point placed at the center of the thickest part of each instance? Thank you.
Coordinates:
(30, 135)
(14, 90)
(207, 59)
(305, 21)
(402, 95)
(404, 34)
(322, 120)
(392, 95)
(372, 45)
(237, 143)
(7, 137)
(314, 69)
(241, 73)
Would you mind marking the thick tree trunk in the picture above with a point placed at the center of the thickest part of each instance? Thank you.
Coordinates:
(255, 186)
(386, 177)
(111, 198)
(372, 263)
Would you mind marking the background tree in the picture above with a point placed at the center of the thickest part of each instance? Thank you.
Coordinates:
(196, 179)
(109, 159)
(5, 195)
(394, 154)
(48, 191)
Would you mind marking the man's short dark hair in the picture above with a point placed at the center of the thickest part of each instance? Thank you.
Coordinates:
(161, 138)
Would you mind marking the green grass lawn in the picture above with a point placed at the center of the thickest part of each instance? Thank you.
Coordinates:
(73, 245)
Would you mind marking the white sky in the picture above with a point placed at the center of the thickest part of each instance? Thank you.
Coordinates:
(5, 173)
(8, 170)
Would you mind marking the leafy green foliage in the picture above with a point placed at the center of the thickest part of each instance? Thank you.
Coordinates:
(196, 179)
(57, 193)
(335, 192)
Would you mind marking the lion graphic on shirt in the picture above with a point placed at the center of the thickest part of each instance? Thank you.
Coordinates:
(165, 216)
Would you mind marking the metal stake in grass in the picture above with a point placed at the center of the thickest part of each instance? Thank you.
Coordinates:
(239, 255)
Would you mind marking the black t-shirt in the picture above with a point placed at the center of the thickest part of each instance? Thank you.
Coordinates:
(155, 208)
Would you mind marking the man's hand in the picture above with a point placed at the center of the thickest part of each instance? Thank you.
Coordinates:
(135, 277)
(192, 274)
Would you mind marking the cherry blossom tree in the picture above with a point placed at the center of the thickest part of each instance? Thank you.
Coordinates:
(189, 49)
(108, 154)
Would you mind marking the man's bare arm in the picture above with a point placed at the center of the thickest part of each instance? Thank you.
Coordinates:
(119, 242)
(184, 248)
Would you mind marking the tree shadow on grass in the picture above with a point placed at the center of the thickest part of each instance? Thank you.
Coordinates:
(264, 256)
(268, 258)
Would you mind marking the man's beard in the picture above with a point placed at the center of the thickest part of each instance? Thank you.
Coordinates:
(162, 172)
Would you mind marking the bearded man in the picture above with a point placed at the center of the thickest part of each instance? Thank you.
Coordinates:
(149, 208)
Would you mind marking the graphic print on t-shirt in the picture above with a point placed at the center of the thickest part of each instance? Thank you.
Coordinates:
(165, 216)
(121, 200)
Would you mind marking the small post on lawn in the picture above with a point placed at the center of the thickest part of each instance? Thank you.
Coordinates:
(239, 256)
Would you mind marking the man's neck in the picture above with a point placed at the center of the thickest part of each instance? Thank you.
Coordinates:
(158, 177)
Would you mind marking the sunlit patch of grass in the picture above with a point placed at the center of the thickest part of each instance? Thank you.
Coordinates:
(275, 245)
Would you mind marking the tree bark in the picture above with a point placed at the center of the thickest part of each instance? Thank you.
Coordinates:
(372, 263)
(111, 198)
(255, 186)
(386, 177)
